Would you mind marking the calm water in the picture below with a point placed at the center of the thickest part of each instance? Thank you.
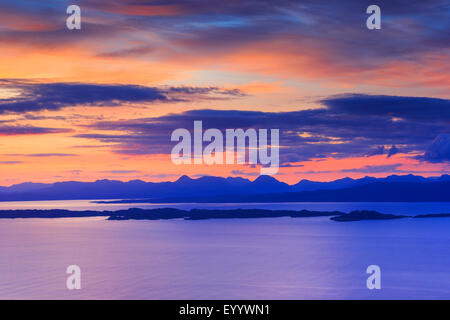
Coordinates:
(411, 208)
(282, 258)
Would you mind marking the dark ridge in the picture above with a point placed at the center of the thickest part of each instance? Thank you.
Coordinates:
(166, 213)
(407, 188)
(372, 192)
(203, 214)
(434, 215)
(52, 213)
(366, 215)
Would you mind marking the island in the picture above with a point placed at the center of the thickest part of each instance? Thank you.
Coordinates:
(166, 213)
(366, 215)
(434, 215)
(204, 214)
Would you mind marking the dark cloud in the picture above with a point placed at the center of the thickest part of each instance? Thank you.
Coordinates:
(43, 155)
(377, 169)
(376, 151)
(398, 108)
(40, 117)
(439, 150)
(330, 132)
(29, 130)
(54, 96)
(393, 151)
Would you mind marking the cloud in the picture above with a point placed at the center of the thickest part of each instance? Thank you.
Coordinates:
(334, 131)
(376, 151)
(243, 173)
(395, 107)
(377, 169)
(29, 130)
(121, 171)
(439, 150)
(44, 155)
(128, 52)
(307, 39)
(41, 117)
(54, 96)
(392, 151)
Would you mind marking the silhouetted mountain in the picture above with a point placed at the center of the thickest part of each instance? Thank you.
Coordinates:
(24, 187)
(372, 192)
(266, 184)
(306, 185)
(235, 189)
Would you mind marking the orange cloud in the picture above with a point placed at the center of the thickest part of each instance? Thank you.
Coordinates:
(282, 59)
(19, 21)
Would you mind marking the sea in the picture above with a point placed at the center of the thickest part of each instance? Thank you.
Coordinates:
(264, 258)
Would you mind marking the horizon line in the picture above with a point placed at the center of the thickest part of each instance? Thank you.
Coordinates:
(228, 177)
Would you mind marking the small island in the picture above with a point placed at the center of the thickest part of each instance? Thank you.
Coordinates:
(366, 215)
(434, 215)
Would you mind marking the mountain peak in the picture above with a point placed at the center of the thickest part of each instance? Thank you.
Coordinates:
(266, 179)
(237, 179)
(184, 178)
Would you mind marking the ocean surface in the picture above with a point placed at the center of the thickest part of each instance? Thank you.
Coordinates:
(409, 208)
(278, 258)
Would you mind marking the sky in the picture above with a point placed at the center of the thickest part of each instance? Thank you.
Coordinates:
(101, 102)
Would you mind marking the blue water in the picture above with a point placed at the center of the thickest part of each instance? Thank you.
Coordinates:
(411, 208)
(278, 258)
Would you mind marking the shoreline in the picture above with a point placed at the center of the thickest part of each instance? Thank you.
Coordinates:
(205, 214)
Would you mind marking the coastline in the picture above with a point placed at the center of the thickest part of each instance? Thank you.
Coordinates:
(205, 214)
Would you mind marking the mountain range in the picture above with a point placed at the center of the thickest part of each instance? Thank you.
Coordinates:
(236, 189)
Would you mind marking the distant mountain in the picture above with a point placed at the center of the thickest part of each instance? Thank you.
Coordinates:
(307, 185)
(236, 189)
(372, 192)
(383, 191)
(266, 184)
(24, 187)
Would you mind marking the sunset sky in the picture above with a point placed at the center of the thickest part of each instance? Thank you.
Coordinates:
(101, 102)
